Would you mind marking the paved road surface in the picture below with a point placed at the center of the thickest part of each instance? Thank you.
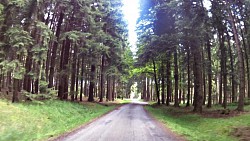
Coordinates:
(128, 123)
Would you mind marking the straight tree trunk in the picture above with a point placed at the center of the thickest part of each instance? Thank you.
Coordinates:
(156, 84)
(144, 88)
(209, 104)
(220, 87)
(223, 67)
(180, 83)
(248, 42)
(224, 56)
(77, 78)
(102, 79)
(31, 18)
(246, 62)
(108, 89)
(232, 68)
(54, 50)
(82, 76)
(73, 74)
(162, 85)
(183, 88)
(204, 79)
(189, 78)
(148, 88)
(113, 89)
(151, 90)
(168, 70)
(15, 90)
(198, 96)
(63, 82)
(176, 78)
(92, 83)
(37, 80)
(27, 77)
(86, 85)
(241, 71)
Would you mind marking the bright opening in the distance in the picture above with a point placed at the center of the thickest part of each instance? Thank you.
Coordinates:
(131, 14)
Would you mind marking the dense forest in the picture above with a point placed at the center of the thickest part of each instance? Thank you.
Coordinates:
(68, 48)
(188, 53)
(64, 64)
(194, 54)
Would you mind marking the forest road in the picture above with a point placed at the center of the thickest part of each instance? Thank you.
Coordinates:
(127, 123)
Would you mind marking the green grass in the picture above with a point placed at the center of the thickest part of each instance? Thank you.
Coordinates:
(40, 121)
(197, 128)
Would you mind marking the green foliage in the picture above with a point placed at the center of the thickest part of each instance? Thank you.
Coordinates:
(96, 28)
(1, 12)
(40, 49)
(43, 85)
(42, 120)
(40, 53)
(45, 32)
(7, 66)
(18, 3)
(19, 39)
(74, 35)
(19, 70)
(36, 98)
(14, 66)
(1, 8)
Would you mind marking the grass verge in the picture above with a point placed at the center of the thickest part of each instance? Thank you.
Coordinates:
(197, 127)
(40, 121)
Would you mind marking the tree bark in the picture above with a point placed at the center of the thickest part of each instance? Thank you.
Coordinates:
(15, 90)
(144, 88)
(148, 88)
(156, 84)
(73, 74)
(63, 82)
(108, 89)
(162, 84)
(77, 78)
(92, 83)
(189, 78)
(241, 71)
(176, 78)
(54, 51)
(82, 76)
(113, 89)
(198, 96)
(204, 79)
(232, 68)
(168, 70)
(209, 104)
(102, 79)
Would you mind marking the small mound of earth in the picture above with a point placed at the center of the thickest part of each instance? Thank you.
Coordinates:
(242, 133)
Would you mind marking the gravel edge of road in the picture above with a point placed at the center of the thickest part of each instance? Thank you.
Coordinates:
(76, 129)
(164, 127)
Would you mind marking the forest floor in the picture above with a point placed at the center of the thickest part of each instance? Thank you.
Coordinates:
(40, 120)
(127, 123)
(213, 124)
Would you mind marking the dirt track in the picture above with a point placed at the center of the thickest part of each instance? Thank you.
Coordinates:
(128, 123)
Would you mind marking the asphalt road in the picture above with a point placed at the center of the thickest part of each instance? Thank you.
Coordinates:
(128, 123)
